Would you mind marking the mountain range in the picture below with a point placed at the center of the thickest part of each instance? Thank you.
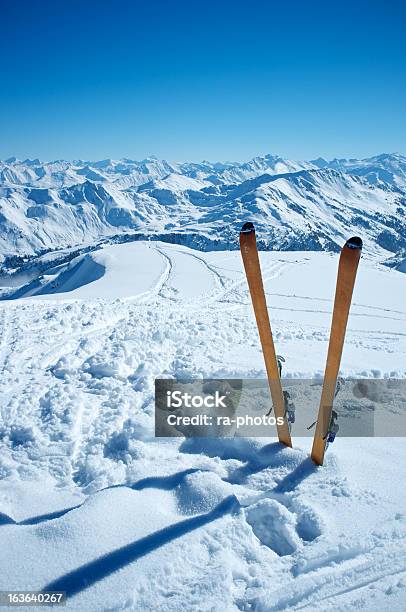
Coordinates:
(295, 205)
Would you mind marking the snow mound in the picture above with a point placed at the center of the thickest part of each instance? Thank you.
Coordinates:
(136, 269)
(79, 272)
(112, 272)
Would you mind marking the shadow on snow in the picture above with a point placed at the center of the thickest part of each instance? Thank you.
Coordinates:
(85, 576)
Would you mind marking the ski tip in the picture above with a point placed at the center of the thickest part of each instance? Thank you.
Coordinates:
(247, 228)
(354, 243)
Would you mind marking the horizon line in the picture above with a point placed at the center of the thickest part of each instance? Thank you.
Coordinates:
(14, 159)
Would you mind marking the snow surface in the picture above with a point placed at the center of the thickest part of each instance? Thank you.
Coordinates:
(93, 504)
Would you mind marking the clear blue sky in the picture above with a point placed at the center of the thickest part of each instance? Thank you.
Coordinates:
(201, 80)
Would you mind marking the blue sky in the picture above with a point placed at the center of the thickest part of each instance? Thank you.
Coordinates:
(194, 80)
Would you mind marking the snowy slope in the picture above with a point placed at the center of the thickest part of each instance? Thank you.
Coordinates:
(385, 168)
(110, 272)
(194, 524)
(296, 205)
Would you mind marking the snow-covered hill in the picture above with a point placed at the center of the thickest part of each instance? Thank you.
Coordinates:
(93, 504)
(295, 205)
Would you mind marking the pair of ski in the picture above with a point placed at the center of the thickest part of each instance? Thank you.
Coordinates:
(347, 270)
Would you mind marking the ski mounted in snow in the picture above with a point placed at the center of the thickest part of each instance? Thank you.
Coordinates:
(326, 424)
(249, 252)
(326, 427)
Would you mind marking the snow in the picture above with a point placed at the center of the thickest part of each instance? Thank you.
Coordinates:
(92, 503)
(110, 272)
(176, 182)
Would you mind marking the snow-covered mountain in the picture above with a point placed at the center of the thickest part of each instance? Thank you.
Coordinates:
(388, 168)
(295, 205)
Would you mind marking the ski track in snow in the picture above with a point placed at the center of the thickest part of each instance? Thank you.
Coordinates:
(248, 523)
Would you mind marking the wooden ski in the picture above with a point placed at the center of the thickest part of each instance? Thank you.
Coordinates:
(252, 267)
(347, 271)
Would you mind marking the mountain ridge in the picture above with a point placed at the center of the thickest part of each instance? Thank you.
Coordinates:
(309, 205)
